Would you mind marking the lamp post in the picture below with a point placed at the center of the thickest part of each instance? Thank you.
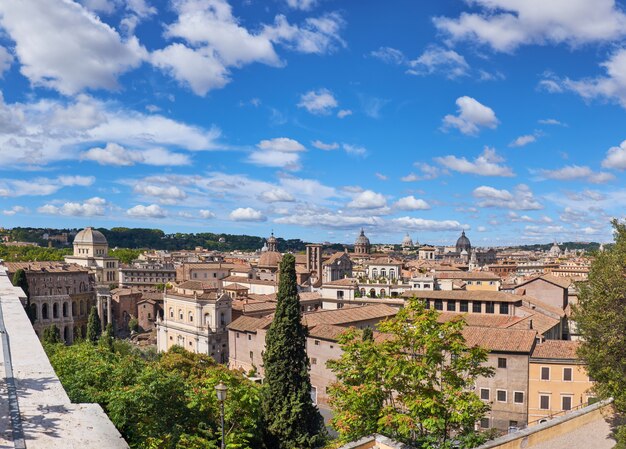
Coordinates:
(221, 389)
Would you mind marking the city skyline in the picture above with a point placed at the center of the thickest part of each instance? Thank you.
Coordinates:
(316, 118)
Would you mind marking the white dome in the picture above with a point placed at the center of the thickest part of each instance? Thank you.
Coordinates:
(90, 236)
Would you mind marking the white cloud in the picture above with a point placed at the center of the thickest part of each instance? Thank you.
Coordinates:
(114, 154)
(616, 157)
(333, 220)
(523, 140)
(354, 149)
(521, 198)
(411, 177)
(150, 211)
(577, 172)
(550, 85)
(206, 214)
(505, 25)
(472, 115)
(321, 101)
(303, 5)
(436, 59)
(343, 113)
(381, 176)
(41, 186)
(611, 87)
(420, 224)
(282, 144)
(247, 214)
(551, 121)
(481, 229)
(67, 48)
(161, 192)
(318, 35)
(487, 164)
(278, 152)
(411, 203)
(92, 207)
(513, 216)
(6, 59)
(428, 172)
(325, 146)
(368, 199)
(389, 55)
(276, 196)
(14, 210)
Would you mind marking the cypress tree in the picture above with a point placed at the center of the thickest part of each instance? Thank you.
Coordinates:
(93, 326)
(107, 337)
(292, 421)
(51, 335)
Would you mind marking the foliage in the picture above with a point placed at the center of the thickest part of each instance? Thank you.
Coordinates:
(94, 328)
(133, 324)
(292, 420)
(164, 402)
(412, 382)
(601, 319)
(19, 280)
(125, 255)
(51, 335)
(32, 253)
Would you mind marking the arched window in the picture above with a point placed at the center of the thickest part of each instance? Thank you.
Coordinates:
(55, 310)
(207, 318)
(74, 308)
(180, 314)
(362, 292)
(171, 313)
(392, 273)
(372, 293)
(383, 272)
(33, 311)
(382, 293)
(64, 309)
(44, 311)
(190, 317)
(82, 307)
(374, 272)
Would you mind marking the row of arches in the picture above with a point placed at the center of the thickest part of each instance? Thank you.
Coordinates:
(383, 273)
(57, 310)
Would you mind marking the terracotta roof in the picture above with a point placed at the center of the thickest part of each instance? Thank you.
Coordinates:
(558, 281)
(326, 331)
(349, 315)
(463, 295)
(541, 322)
(245, 280)
(300, 259)
(500, 340)
(211, 265)
(260, 297)
(334, 257)
(270, 259)
(245, 324)
(385, 261)
(310, 296)
(255, 307)
(347, 282)
(481, 319)
(195, 285)
(534, 303)
(556, 349)
(44, 267)
(235, 287)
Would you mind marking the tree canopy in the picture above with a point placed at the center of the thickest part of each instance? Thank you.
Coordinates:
(292, 420)
(600, 316)
(411, 381)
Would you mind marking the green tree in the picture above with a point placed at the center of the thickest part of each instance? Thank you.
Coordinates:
(51, 335)
(125, 255)
(107, 337)
(19, 280)
(412, 383)
(94, 328)
(133, 324)
(291, 418)
(600, 316)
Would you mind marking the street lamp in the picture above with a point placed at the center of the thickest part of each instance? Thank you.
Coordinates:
(221, 389)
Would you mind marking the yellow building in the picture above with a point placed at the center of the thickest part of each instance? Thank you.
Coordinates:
(558, 381)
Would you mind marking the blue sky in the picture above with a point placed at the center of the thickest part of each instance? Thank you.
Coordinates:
(316, 117)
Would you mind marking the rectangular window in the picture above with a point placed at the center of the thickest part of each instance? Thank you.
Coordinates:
(484, 394)
(504, 308)
(567, 374)
(545, 373)
(479, 282)
(544, 402)
(438, 304)
(489, 307)
(237, 334)
(250, 337)
(512, 423)
(464, 306)
(484, 423)
(501, 395)
(451, 306)
(313, 361)
(501, 362)
(251, 354)
(518, 397)
(566, 402)
(317, 342)
(477, 306)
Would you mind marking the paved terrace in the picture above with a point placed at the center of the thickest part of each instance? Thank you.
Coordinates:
(35, 411)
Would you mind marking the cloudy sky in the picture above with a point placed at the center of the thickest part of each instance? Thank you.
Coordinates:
(316, 117)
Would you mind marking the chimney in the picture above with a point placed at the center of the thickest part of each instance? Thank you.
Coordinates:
(530, 324)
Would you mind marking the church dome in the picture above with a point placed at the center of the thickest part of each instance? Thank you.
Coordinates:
(463, 243)
(272, 239)
(407, 241)
(362, 239)
(90, 236)
(270, 259)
